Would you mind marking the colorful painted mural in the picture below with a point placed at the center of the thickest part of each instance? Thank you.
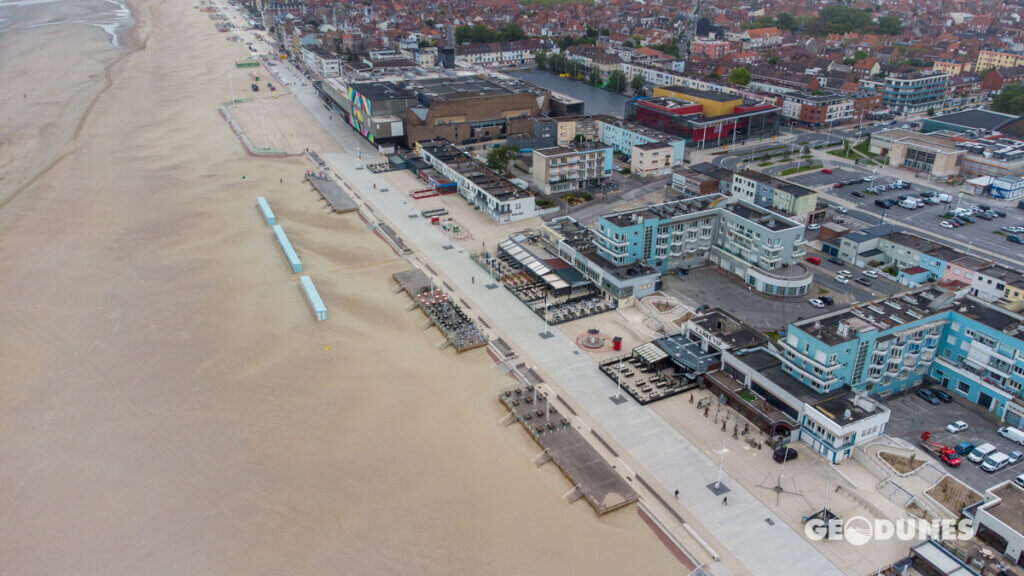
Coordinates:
(361, 113)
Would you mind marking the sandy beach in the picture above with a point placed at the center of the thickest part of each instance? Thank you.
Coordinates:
(169, 405)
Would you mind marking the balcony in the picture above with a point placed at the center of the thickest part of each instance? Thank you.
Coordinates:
(609, 240)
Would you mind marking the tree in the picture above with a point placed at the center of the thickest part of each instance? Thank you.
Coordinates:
(1010, 99)
(859, 55)
(541, 58)
(511, 32)
(931, 112)
(786, 21)
(670, 49)
(637, 84)
(773, 60)
(739, 76)
(890, 25)
(617, 81)
(595, 76)
(498, 158)
(759, 22)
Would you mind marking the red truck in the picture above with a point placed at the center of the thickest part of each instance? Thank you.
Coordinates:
(940, 451)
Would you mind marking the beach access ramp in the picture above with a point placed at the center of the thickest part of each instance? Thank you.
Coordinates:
(339, 200)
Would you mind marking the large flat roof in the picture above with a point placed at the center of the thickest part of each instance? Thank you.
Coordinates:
(703, 94)
(1010, 507)
(976, 118)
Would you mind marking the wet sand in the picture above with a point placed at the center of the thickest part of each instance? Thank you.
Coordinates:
(169, 405)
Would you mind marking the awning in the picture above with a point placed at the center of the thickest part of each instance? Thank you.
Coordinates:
(650, 353)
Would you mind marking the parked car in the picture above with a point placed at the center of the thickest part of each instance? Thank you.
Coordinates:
(927, 194)
(826, 170)
(870, 273)
(967, 218)
(1019, 480)
(842, 279)
(857, 193)
(1015, 456)
(957, 427)
(863, 281)
(964, 448)
(985, 216)
(946, 224)
(1015, 239)
(827, 300)
(840, 209)
(703, 307)
(784, 454)
(999, 213)
(835, 260)
(942, 394)
(981, 452)
(928, 396)
(845, 272)
(839, 185)
(813, 259)
(816, 303)
(995, 461)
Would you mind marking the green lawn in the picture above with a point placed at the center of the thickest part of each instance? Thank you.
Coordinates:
(795, 169)
(863, 148)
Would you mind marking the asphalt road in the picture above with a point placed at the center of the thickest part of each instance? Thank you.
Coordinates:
(911, 416)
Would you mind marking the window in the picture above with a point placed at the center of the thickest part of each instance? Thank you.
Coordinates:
(963, 387)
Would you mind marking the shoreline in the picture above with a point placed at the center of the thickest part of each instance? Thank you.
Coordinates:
(134, 40)
(171, 405)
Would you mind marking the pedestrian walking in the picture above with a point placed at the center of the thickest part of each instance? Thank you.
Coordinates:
(725, 500)
(677, 494)
(472, 279)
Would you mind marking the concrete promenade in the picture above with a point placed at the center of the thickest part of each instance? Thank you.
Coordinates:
(666, 454)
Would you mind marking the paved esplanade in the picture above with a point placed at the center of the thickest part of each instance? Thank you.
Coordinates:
(673, 460)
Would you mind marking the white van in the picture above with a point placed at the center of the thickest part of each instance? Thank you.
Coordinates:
(981, 452)
(909, 204)
(944, 198)
(995, 461)
(1012, 434)
(870, 273)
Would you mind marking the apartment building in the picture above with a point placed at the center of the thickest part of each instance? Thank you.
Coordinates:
(495, 196)
(624, 136)
(702, 179)
(563, 169)
(573, 243)
(760, 246)
(754, 383)
(321, 62)
(799, 202)
(914, 92)
(988, 59)
(817, 110)
(652, 159)
(892, 344)
(518, 53)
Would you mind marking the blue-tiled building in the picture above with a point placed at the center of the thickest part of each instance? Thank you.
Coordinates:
(887, 346)
(758, 245)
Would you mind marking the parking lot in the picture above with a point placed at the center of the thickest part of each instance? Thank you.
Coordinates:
(980, 234)
(911, 416)
(708, 285)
